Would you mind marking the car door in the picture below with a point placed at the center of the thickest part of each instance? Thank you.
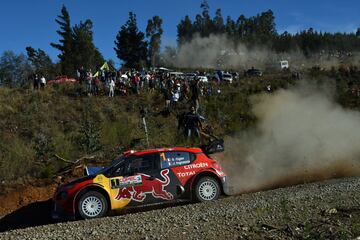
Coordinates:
(140, 181)
(175, 161)
(156, 183)
(120, 182)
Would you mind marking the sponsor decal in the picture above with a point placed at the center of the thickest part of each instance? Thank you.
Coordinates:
(186, 174)
(196, 165)
(149, 185)
(126, 181)
(174, 159)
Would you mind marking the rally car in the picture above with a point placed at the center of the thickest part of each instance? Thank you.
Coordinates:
(139, 178)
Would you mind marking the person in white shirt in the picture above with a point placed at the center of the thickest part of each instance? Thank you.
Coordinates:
(42, 82)
(175, 98)
(89, 82)
(111, 88)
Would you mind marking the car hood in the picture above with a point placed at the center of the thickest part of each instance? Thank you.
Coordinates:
(74, 182)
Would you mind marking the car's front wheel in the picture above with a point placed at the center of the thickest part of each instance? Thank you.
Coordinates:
(92, 205)
(206, 189)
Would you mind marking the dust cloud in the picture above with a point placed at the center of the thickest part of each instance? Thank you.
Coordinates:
(302, 135)
(220, 52)
(216, 51)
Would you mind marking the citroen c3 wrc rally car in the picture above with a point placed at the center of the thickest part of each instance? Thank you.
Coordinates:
(139, 178)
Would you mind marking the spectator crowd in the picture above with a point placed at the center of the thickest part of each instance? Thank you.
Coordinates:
(173, 88)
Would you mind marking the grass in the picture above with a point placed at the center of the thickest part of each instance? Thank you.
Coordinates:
(35, 125)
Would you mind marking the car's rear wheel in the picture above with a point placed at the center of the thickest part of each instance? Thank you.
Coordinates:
(206, 189)
(92, 205)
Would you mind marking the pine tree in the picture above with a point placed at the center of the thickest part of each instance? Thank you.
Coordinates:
(219, 27)
(66, 42)
(265, 28)
(185, 31)
(154, 32)
(207, 27)
(130, 45)
(84, 51)
(230, 27)
(240, 26)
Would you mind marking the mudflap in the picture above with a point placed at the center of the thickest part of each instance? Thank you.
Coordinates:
(227, 189)
(215, 146)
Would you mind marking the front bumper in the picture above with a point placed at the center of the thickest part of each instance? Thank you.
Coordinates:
(227, 189)
(57, 213)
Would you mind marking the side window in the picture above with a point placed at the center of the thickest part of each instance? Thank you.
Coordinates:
(173, 159)
(145, 163)
(121, 169)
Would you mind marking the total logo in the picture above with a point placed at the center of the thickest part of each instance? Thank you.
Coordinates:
(196, 165)
(186, 174)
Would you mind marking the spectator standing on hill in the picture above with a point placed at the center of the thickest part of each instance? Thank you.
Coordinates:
(195, 94)
(111, 88)
(167, 95)
(89, 82)
(42, 82)
(82, 74)
(36, 81)
(102, 75)
(192, 123)
(175, 98)
(96, 86)
(151, 84)
(136, 83)
(122, 88)
(78, 75)
(185, 90)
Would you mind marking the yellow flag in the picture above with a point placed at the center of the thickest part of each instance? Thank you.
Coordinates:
(105, 66)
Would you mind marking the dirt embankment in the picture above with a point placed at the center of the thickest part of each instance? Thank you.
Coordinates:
(20, 196)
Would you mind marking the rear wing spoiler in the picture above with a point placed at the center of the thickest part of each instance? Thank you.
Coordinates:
(215, 146)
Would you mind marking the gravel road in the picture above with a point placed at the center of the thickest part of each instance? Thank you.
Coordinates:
(325, 209)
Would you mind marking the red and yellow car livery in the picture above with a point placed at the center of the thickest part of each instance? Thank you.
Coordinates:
(141, 178)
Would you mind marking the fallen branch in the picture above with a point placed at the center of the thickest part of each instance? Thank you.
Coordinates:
(76, 161)
(72, 166)
(63, 159)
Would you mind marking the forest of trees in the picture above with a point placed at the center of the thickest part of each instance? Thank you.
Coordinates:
(137, 49)
(261, 30)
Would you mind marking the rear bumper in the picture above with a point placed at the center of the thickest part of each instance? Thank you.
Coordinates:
(57, 213)
(227, 189)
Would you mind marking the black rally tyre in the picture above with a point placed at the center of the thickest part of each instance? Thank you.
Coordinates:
(206, 189)
(92, 205)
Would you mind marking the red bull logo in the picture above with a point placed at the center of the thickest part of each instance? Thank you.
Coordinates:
(149, 185)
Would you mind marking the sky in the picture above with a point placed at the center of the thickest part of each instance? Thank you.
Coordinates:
(32, 22)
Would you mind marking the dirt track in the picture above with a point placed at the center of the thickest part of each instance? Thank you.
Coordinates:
(329, 209)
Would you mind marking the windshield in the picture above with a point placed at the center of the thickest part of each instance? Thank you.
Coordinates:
(119, 160)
